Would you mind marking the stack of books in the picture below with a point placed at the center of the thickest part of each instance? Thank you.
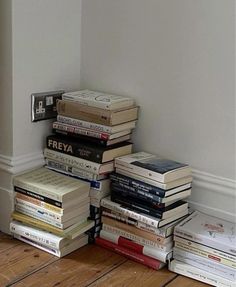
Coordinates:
(92, 129)
(51, 211)
(205, 250)
(146, 202)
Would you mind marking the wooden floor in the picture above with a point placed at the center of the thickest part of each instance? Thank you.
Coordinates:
(24, 266)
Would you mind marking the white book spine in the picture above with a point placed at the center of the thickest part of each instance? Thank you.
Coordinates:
(84, 124)
(72, 161)
(198, 274)
(36, 235)
(126, 212)
(138, 239)
(146, 250)
(205, 264)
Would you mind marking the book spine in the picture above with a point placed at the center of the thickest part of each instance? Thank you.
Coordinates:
(204, 240)
(136, 231)
(205, 264)
(199, 274)
(210, 255)
(38, 196)
(39, 203)
(80, 131)
(35, 235)
(84, 124)
(148, 261)
(135, 238)
(140, 187)
(126, 212)
(142, 249)
(76, 162)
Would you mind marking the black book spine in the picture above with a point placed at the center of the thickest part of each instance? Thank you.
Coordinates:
(38, 196)
(75, 148)
(137, 184)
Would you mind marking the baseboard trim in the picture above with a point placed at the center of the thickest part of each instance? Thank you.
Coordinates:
(18, 164)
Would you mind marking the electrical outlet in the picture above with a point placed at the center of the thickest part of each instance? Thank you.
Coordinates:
(43, 105)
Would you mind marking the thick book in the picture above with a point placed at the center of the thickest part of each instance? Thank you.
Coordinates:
(199, 274)
(148, 208)
(140, 216)
(80, 163)
(70, 247)
(171, 186)
(153, 167)
(206, 264)
(97, 127)
(97, 115)
(52, 184)
(143, 188)
(139, 248)
(140, 258)
(149, 198)
(97, 141)
(99, 99)
(209, 230)
(87, 150)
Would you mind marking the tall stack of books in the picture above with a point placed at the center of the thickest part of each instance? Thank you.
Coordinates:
(205, 250)
(92, 129)
(146, 203)
(51, 211)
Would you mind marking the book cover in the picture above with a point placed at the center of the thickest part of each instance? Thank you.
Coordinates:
(87, 150)
(208, 230)
(153, 166)
(51, 184)
(98, 99)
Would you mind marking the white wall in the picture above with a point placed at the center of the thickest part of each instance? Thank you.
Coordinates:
(176, 58)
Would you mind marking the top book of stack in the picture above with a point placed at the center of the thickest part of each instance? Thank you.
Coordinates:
(99, 100)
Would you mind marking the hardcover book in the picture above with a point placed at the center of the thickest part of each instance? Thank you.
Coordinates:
(51, 184)
(98, 99)
(208, 230)
(87, 150)
(153, 166)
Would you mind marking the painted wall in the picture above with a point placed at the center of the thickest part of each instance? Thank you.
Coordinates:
(176, 58)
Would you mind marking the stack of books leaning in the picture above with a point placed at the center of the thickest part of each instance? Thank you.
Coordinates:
(146, 202)
(92, 129)
(51, 211)
(205, 250)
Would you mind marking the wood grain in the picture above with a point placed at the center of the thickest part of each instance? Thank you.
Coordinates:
(7, 242)
(186, 282)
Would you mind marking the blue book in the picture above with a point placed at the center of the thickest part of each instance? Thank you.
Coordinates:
(153, 167)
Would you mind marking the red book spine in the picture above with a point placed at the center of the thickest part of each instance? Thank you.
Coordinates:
(123, 242)
(140, 258)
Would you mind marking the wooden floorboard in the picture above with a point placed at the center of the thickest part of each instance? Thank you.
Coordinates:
(91, 266)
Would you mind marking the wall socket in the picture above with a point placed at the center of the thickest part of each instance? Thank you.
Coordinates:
(43, 105)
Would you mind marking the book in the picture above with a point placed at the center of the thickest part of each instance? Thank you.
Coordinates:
(131, 245)
(149, 198)
(206, 264)
(74, 245)
(172, 186)
(51, 184)
(80, 163)
(87, 150)
(96, 115)
(150, 209)
(147, 189)
(199, 274)
(153, 166)
(71, 232)
(98, 141)
(98, 99)
(208, 230)
(140, 258)
(87, 133)
(142, 217)
(97, 127)
(83, 174)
